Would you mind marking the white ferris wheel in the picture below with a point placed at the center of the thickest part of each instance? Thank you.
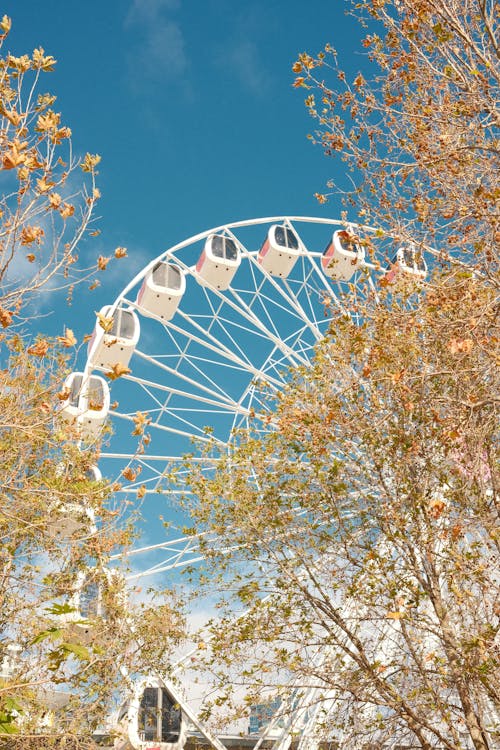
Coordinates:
(196, 337)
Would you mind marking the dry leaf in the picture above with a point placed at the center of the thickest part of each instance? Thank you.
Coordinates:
(39, 349)
(395, 615)
(141, 491)
(68, 340)
(105, 323)
(5, 317)
(121, 252)
(102, 262)
(117, 371)
(129, 473)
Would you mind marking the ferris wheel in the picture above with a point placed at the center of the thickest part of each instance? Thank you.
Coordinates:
(193, 344)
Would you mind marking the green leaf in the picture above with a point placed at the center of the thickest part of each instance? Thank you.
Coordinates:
(81, 652)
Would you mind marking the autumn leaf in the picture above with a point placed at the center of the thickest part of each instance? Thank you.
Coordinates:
(90, 162)
(141, 491)
(102, 262)
(5, 24)
(48, 121)
(68, 340)
(31, 234)
(460, 346)
(31, 258)
(121, 252)
(105, 323)
(43, 61)
(395, 615)
(436, 507)
(64, 394)
(54, 200)
(117, 371)
(140, 420)
(12, 158)
(67, 210)
(129, 473)
(43, 186)
(39, 349)
(114, 405)
(5, 317)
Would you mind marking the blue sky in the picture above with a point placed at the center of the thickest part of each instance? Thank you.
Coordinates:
(191, 106)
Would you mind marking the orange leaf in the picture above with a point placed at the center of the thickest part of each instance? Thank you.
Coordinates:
(39, 349)
(64, 394)
(31, 234)
(5, 317)
(67, 210)
(395, 615)
(105, 323)
(129, 473)
(117, 371)
(102, 262)
(460, 346)
(141, 491)
(31, 257)
(121, 252)
(68, 340)
(54, 200)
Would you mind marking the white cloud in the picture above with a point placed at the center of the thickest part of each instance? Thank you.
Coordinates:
(243, 60)
(159, 52)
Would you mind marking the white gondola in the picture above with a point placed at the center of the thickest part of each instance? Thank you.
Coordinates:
(106, 348)
(87, 403)
(151, 720)
(343, 255)
(279, 251)
(218, 262)
(409, 264)
(67, 519)
(161, 291)
(88, 602)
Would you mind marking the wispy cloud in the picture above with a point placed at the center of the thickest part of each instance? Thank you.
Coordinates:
(244, 60)
(159, 51)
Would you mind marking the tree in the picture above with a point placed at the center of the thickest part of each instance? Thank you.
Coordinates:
(418, 132)
(364, 528)
(361, 530)
(61, 666)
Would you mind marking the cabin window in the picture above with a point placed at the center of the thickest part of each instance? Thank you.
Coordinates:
(159, 717)
(89, 600)
(167, 276)
(286, 238)
(76, 389)
(123, 324)
(218, 246)
(95, 394)
(170, 718)
(224, 247)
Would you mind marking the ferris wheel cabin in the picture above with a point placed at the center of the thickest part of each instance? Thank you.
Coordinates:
(151, 720)
(408, 263)
(87, 403)
(218, 262)
(342, 256)
(106, 348)
(161, 291)
(279, 251)
(89, 597)
(67, 519)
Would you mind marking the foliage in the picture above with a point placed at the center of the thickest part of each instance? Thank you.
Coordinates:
(60, 670)
(359, 514)
(418, 132)
(364, 527)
